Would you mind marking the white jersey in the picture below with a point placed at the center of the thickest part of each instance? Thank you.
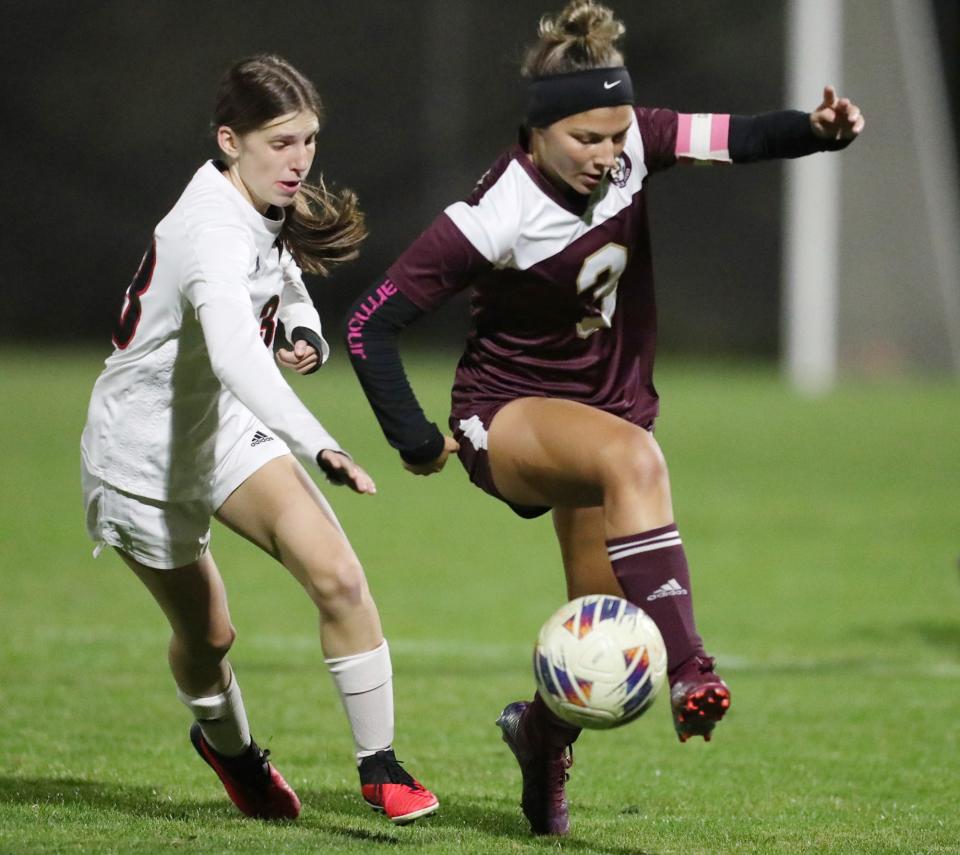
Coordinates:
(190, 358)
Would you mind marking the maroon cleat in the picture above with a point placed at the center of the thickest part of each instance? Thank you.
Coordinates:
(699, 698)
(252, 782)
(389, 789)
(544, 770)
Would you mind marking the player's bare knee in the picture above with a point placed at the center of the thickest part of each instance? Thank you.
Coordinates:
(337, 586)
(221, 641)
(633, 462)
(214, 643)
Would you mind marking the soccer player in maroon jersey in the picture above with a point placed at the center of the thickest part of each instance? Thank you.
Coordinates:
(553, 403)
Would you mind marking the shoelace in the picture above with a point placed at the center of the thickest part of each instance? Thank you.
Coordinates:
(251, 767)
(564, 762)
(397, 774)
(705, 665)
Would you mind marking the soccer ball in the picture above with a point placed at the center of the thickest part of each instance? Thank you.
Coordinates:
(599, 662)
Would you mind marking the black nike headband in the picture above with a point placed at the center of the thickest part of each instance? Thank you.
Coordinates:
(556, 96)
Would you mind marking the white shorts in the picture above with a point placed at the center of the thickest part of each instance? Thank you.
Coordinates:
(165, 535)
(240, 453)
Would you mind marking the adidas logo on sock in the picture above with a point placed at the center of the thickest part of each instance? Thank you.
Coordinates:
(259, 437)
(668, 589)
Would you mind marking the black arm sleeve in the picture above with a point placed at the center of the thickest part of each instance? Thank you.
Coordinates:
(311, 338)
(375, 355)
(786, 133)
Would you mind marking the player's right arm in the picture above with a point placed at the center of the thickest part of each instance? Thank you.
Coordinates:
(438, 264)
(301, 322)
(243, 364)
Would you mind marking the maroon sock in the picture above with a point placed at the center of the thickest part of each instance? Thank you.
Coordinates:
(548, 726)
(651, 567)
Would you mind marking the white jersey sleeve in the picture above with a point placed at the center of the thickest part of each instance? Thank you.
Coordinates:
(237, 354)
(193, 373)
(296, 307)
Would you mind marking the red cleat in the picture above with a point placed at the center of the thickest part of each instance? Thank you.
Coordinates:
(699, 698)
(389, 789)
(252, 783)
(544, 770)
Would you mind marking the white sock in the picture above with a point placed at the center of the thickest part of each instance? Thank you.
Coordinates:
(365, 683)
(222, 718)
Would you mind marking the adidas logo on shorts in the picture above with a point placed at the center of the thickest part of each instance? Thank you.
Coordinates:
(259, 437)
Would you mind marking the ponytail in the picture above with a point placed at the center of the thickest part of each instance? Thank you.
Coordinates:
(322, 229)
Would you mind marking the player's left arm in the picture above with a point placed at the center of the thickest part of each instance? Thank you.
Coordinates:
(832, 126)
(837, 119)
(309, 350)
(723, 138)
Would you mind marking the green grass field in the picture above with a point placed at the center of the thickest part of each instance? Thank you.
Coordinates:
(824, 540)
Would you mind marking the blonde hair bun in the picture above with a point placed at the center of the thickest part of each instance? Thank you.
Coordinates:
(580, 37)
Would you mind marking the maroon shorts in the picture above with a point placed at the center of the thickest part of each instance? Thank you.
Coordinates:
(470, 432)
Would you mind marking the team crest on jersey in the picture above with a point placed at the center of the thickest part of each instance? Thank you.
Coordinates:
(620, 174)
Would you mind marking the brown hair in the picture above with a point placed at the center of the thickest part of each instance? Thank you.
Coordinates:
(321, 228)
(581, 37)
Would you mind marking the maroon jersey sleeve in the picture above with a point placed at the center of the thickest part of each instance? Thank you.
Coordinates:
(658, 130)
(436, 265)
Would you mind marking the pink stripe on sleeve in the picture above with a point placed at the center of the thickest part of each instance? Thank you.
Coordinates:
(720, 132)
(684, 123)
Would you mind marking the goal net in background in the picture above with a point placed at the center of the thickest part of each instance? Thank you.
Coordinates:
(872, 239)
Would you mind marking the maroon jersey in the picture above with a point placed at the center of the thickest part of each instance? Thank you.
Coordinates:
(562, 287)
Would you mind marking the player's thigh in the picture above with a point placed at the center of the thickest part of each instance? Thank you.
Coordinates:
(282, 511)
(549, 451)
(583, 548)
(192, 597)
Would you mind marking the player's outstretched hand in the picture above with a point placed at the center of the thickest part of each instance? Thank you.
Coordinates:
(340, 469)
(836, 118)
(450, 446)
(303, 358)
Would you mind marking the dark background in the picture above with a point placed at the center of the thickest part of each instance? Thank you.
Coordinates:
(106, 109)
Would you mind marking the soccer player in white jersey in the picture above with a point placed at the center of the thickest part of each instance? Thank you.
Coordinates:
(553, 403)
(191, 418)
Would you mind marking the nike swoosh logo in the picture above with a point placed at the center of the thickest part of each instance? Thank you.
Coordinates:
(607, 85)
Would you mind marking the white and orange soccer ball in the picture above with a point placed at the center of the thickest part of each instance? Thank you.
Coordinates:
(599, 662)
